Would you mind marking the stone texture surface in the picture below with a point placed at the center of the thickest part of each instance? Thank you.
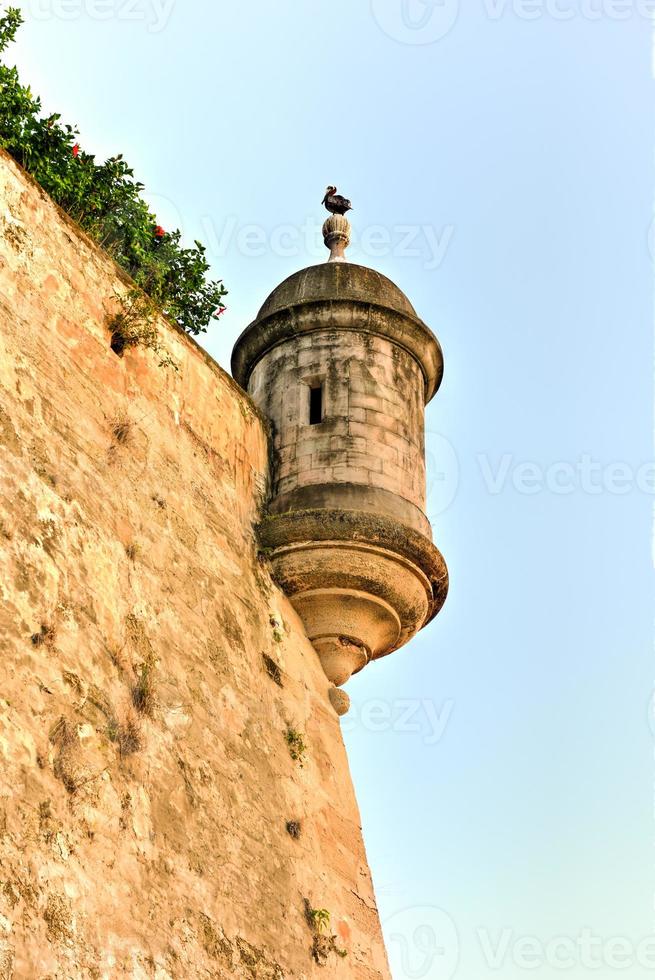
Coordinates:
(354, 333)
(152, 674)
(372, 431)
(362, 584)
(356, 283)
(336, 235)
(346, 296)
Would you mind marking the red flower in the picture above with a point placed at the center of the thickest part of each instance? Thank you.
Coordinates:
(159, 232)
(76, 149)
(218, 312)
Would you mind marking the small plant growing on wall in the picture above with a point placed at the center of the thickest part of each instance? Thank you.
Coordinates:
(320, 920)
(324, 942)
(133, 550)
(278, 635)
(135, 325)
(296, 743)
(143, 692)
(127, 736)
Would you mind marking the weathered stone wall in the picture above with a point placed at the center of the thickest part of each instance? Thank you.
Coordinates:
(372, 432)
(146, 781)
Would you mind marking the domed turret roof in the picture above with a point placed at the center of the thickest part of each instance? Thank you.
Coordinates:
(338, 295)
(336, 281)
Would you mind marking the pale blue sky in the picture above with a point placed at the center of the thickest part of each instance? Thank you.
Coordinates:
(518, 151)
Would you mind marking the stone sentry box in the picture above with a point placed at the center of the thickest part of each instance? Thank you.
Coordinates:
(340, 363)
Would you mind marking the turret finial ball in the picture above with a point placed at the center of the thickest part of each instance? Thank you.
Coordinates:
(336, 235)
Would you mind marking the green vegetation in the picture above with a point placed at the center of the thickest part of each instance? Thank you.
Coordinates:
(320, 919)
(135, 325)
(278, 635)
(324, 943)
(296, 742)
(105, 200)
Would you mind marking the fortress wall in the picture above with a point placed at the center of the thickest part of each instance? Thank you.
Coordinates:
(145, 778)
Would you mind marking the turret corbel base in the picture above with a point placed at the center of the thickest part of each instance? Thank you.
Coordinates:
(362, 584)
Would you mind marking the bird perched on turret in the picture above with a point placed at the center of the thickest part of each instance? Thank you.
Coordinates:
(336, 203)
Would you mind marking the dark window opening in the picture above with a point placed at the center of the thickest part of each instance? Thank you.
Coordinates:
(316, 405)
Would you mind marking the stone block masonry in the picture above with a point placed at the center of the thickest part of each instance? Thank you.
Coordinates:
(370, 375)
(153, 678)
